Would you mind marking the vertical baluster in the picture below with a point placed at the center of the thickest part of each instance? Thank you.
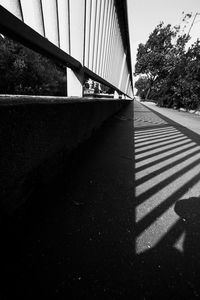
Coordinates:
(102, 49)
(50, 21)
(76, 23)
(87, 27)
(35, 18)
(99, 47)
(92, 33)
(115, 53)
(108, 40)
(97, 34)
(111, 48)
(13, 6)
(119, 60)
(127, 82)
(63, 22)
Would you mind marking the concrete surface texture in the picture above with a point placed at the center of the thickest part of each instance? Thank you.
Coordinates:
(36, 135)
(75, 237)
(114, 228)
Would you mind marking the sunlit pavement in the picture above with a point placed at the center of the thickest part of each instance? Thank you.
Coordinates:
(189, 120)
(108, 229)
(167, 169)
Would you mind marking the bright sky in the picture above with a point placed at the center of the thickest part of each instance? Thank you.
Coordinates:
(144, 15)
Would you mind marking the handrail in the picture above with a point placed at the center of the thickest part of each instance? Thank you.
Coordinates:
(85, 30)
(13, 27)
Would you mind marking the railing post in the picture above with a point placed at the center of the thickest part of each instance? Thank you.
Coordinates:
(121, 71)
(87, 36)
(75, 79)
(127, 82)
(116, 95)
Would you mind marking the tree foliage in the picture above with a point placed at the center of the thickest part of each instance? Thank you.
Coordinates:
(142, 85)
(22, 71)
(172, 71)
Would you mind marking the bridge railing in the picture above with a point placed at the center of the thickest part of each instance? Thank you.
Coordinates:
(90, 37)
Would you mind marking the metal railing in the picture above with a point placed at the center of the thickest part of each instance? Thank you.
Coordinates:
(91, 37)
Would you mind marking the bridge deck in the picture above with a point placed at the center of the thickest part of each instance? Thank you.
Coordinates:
(110, 230)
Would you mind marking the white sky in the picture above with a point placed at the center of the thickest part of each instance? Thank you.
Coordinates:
(144, 15)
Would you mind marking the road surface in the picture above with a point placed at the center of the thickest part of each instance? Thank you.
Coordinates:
(107, 229)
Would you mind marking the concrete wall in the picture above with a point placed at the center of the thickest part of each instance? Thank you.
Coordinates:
(37, 133)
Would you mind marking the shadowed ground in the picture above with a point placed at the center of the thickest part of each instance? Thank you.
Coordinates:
(77, 239)
(109, 230)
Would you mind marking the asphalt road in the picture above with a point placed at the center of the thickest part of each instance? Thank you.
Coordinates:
(112, 226)
(186, 119)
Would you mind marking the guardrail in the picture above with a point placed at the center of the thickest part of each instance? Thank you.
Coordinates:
(90, 37)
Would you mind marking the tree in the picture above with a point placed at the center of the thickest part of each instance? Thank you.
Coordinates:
(190, 78)
(162, 60)
(142, 86)
(24, 71)
(152, 56)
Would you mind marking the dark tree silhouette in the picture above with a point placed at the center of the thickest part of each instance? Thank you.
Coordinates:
(23, 71)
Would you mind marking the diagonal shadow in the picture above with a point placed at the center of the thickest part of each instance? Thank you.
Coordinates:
(169, 267)
(154, 130)
(162, 142)
(78, 237)
(160, 209)
(151, 191)
(157, 161)
(153, 135)
(140, 141)
(153, 127)
(167, 167)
